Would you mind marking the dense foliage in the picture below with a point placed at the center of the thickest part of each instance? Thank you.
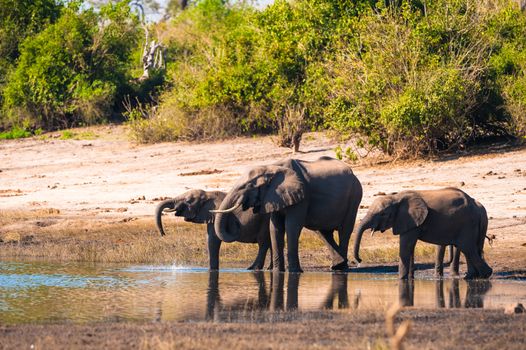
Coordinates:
(408, 77)
(74, 70)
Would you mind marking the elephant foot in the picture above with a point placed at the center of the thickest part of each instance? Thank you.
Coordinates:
(343, 266)
(270, 267)
(254, 267)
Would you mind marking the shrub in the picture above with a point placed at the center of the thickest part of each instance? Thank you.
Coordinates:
(72, 72)
(415, 80)
(18, 20)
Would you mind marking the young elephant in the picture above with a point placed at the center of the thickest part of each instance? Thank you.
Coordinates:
(195, 205)
(442, 217)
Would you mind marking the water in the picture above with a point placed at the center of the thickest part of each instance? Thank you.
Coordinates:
(36, 292)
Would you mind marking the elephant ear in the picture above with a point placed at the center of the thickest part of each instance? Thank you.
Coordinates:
(412, 211)
(284, 189)
(204, 215)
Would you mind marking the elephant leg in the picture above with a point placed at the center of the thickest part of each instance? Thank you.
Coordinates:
(406, 292)
(454, 294)
(293, 231)
(260, 258)
(292, 291)
(263, 298)
(212, 298)
(439, 266)
(277, 283)
(439, 294)
(339, 282)
(271, 264)
(455, 262)
(472, 271)
(481, 268)
(214, 244)
(328, 238)
(407, 249)
(345, 232)
(277, 237)
(412, 266)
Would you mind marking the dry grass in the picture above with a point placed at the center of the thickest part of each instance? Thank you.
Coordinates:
(359, 329)
(46, 233)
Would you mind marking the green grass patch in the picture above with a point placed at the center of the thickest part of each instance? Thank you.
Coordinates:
(18, 133)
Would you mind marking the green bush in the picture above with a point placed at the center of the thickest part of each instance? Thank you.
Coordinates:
(236, 70)
(18, 20)
(73, 71)
(412, 82)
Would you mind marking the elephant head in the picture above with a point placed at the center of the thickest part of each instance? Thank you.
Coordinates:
(264, 189)
(194, 206)
(401, 212)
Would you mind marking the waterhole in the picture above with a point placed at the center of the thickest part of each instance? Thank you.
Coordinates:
(38, 292)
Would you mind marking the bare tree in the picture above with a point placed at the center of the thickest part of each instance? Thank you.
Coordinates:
(153, 55)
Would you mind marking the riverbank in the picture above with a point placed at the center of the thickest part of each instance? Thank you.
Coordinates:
(92, 198)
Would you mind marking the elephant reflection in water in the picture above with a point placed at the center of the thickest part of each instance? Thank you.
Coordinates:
(275, 299)
(475, 292)
(339, 290)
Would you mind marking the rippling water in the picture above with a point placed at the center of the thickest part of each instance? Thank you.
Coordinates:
(36, 292)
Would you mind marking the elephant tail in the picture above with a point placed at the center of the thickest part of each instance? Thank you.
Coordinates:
(483, 229)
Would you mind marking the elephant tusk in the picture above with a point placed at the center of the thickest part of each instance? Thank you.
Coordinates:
(220, 211)
(372, 232)
(169, 210)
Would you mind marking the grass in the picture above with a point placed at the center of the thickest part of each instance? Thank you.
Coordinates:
(47, 233)
(359, 329)
(18, 133)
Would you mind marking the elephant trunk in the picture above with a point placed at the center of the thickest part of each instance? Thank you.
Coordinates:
(365, 224)
(166, 204)
(220, 222)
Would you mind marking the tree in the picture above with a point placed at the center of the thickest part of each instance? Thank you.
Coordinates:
(74, 70)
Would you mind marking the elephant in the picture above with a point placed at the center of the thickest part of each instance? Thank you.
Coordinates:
(443, 217)
(195, 205)
(321, 195)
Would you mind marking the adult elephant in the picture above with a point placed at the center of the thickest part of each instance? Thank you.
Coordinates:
(322, 195)
(195, 205)
(443, 217)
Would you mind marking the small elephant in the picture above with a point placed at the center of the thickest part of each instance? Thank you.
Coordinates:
(195, 205)
(322, 195)
(442, 217)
